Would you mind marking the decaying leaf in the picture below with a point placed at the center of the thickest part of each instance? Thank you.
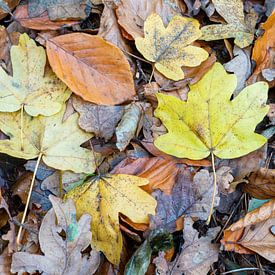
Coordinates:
(59, 9)
(98, 119)
(104, 199)
(59, 142)
(238, 27)
(29, 88)
(252, 233)
(170, 47)
(223, 127)
(92, 68)
(133, 13)
(61, 255)
(127, 127)
(5, 262)
(41, 22)
(198, 254)
(261, 184)
(6, 6)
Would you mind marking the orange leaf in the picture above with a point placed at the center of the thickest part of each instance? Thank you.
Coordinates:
(92, 68)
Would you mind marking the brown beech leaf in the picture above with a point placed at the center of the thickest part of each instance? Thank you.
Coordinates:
(100, 120)
(132, 14)
(6, 7)
(59, 9)
(160, 172)
(261, 184)
(94, 69)
(253, 233)
(41, 22)
(198, 254)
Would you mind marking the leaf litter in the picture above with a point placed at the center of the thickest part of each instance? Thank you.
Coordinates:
(167, 157)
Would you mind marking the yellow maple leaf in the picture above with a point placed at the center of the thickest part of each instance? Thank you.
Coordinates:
(29, 88)
(57, 142)
(104, 199)
(209, 122)
(169, 47)
(238, 27)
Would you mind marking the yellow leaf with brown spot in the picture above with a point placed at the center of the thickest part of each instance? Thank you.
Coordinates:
(209, 121)
(104, 199)
(238, 27)
(170, 47)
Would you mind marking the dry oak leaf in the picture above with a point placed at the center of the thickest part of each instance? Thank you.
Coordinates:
(222, 126)
(169, 47)
(61, 255)
(92, 68)
(198, 254)
(238, 27)
(104, 199)
(253, 233)
(261, 184)
(29, 87)
(58, 142)
(132, 14)
(41, 22)
(59, 9)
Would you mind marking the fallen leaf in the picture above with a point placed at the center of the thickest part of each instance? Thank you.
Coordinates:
(255, 203)
(5, 262)
(59, 142)
(98, 119)
(60, 254)
(198, 254)
(160, 172)
(42, 22)
(6, 6)
(169, 47)
(92, 68)
(238, 27)
(161, 264)
(133, 13)
(240, 65)
(59, 10)
(263, 51)
(127, 127)
(172, 206)
(158, 240)
(29, 87)
(5, 45)
(261, 184)
(104, 199)
(219, 126)
(252, 233)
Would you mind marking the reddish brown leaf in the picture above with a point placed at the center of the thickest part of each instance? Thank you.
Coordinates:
(92, 68)
(38, 23)
(11, 4)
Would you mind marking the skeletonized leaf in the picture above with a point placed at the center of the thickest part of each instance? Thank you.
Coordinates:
(222, 126)
(239, 28)
(92, 68)
(59, 142)
(29, 87)
(104, 199)
(100, 120)
(170, 47)
(61, 256)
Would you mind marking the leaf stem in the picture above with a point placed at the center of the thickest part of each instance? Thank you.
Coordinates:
(18, 239)
(21, 126)
(151, 76)
(215, 188)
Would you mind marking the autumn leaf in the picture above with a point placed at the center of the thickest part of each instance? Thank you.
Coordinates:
(92, 68)
(238, 27)
(29, 88)
(60, 254)
(58, 142)
(170, 47)
(222, 126)
(104, 199)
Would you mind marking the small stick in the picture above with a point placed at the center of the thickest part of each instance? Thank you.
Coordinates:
(151, 76)
(18, 239)
(215, 188)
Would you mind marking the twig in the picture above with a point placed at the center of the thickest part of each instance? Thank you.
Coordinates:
(215, 188)
(18, 239)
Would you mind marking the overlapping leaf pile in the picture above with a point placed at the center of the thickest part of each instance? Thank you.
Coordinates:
(146, 129)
